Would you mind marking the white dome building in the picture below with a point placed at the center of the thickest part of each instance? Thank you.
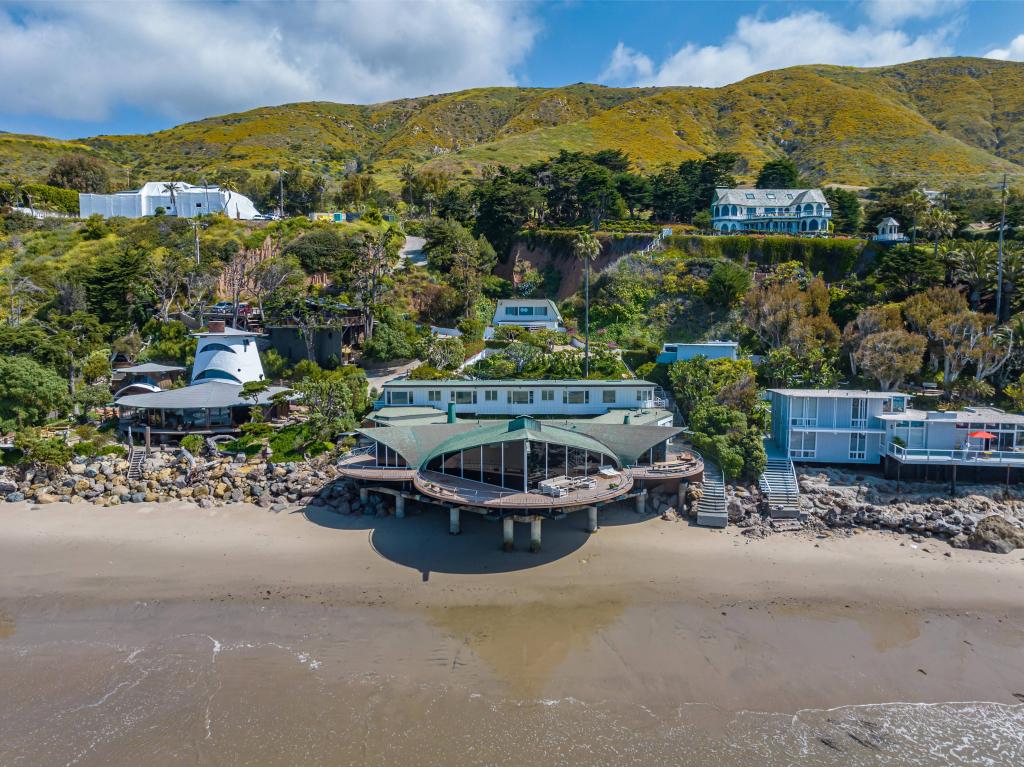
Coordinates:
(226, 354)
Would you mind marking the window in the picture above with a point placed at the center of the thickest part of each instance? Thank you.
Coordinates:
(199, 205)
(511, 311)
(464, 397)
(804, 412)
(520, 397)
(547, 395)
(770, 195)
(491, 395)
(802, 445)
(608, 396)
(399, 397)
(525, 311)
(858, 413)
(858, 447)
(576, 396)
(434, 395)
(541, 311)
(750, 195)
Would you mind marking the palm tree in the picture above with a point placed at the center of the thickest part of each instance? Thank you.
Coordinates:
(1013, 275)
(938, 224)
(975, 260)
(172, 188)
(229, 187)
(913, 205)
(587, 247)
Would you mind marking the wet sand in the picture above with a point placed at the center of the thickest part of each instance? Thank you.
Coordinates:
(166, 634)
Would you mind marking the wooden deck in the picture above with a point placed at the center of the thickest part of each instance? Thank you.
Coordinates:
(365, 466)
(446, 487)
(678, 464)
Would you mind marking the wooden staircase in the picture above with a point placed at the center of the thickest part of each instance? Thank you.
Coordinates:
(136, 456)
(779, 484)
(711, 508)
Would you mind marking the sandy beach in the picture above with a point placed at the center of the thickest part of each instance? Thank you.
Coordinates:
(169, 634)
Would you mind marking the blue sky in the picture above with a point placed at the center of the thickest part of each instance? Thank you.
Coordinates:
(85, 68)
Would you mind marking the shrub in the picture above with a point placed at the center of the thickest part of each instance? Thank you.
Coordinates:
(37, 450)
(193, 443)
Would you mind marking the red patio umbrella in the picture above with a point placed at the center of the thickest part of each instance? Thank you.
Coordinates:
(981, 435)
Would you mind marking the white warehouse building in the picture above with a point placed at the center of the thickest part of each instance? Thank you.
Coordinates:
(188, 201)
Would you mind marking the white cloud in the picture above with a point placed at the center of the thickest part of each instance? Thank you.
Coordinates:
(626, 65)
(1013, 52)
(82, 60)
(804, 37)
(892, 13)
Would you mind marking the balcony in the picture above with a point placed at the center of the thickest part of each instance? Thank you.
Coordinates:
(362, 464)
(453, 489)
(961, 457)
(827, 212)
(678, 464)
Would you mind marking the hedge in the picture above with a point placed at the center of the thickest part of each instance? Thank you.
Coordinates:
(47, 197)
(832, 258)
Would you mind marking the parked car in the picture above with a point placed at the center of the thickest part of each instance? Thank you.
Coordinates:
(222, 307)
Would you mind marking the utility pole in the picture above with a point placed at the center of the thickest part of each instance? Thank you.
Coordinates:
(206, 194)
(1002, 226)
(280, 180)
(195, 238)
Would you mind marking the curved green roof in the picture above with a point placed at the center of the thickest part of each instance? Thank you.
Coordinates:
(522, 428)
(419, 444)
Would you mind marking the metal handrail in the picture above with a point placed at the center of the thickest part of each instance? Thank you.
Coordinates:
(500, 493)
(969, 454)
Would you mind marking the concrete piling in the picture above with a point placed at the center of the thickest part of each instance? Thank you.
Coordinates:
(364, 494)
(507, 534)
(454, 527)
(535, 534)
(399, 507)
(641, 501)
(592, 519)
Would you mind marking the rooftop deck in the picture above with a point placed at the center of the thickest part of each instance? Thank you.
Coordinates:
(446, 487)
(363, 465)
(679, 463)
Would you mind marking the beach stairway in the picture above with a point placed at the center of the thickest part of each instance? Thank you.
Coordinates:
(135, 458)
(779, 485)
(711, 508)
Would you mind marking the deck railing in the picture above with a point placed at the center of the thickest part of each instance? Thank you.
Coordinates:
(443, 485)
(961, 455)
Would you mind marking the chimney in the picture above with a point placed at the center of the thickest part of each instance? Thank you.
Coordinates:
(451, 412)
(216, 326)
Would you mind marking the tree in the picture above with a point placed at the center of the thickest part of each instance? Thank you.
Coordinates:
(846, 211)
(870, 320)
(81, 173)
(937, 224)
(779, 174)
(267, 277)
(357, 190)
(889, 356)
(728, 283)
(586, 247)
(30, 393)
(376, 259)
(322, 250)
(974, 266)
(724, 381)
(635, 191)
(40, 451)
(442, 352)
(905, 269)
(334, 400)
(166, 274)
(172, 188)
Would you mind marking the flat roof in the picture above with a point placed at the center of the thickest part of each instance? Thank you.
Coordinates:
(702, 343)
(508, 382)
(638, 416)
(979, 415)
(839, 393)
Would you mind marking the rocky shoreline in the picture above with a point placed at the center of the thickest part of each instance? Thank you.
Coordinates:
(984, 517)
(987, 517)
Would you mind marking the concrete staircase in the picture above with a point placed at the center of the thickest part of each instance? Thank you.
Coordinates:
(711, 508)
(778, 483)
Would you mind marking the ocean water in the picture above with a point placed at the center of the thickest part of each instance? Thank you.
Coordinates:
(160, 685)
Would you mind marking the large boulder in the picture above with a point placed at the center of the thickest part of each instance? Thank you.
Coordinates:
(997, 534)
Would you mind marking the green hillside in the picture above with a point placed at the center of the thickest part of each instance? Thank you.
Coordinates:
(936, 120)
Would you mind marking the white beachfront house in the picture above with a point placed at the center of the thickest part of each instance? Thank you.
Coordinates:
(188, 201)
(790, 211)
(540, 398)
(838, 426)
(212, 403)
(889, 231)
(533, 313)
(712, 350)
